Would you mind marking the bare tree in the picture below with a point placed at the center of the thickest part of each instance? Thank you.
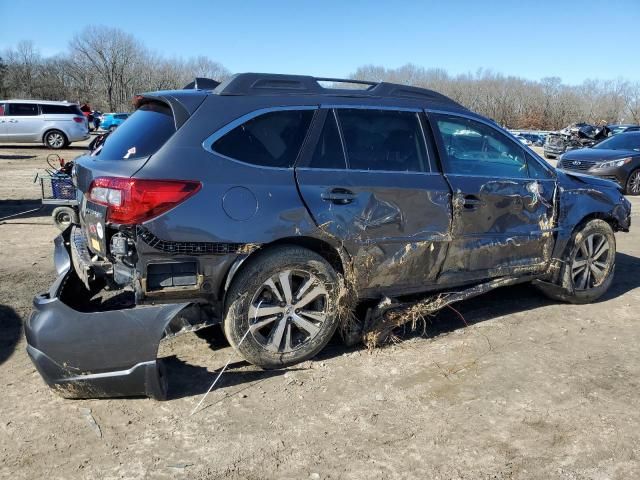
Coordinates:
(113, 55)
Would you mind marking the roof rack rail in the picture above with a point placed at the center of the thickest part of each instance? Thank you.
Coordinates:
(201, 83)
(275, 84)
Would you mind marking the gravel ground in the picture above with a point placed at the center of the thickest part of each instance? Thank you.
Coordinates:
(526, 389)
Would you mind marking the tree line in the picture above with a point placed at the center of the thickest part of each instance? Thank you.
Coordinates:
(102, 66)
(106, 67)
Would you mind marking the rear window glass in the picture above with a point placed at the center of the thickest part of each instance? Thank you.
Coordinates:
(271, 140)
(57, 109)
(144, 132)
(383, 140)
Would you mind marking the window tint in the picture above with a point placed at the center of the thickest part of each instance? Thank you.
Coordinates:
(1, 109)
(383, 140)
(146, 130)
(122, 116)
(270, 140)
(56, 109)
(474, 148)
(23, 109)
(622, 141)
(328, 152)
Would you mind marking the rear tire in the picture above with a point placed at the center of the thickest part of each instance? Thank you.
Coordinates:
(55, 140)
(64, 216)
(282, 308)
(633, 183)
(589, 266)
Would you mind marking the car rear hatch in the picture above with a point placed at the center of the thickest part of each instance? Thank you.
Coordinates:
(157, 118)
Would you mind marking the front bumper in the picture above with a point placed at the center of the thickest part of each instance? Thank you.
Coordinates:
(96, 353)
(551, 150)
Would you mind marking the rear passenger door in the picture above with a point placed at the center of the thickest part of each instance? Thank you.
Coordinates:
(502, 201)
(368, 178)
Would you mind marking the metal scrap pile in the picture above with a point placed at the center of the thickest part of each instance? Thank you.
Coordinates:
(578, 135)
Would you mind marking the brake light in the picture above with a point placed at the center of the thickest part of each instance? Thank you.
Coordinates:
(78, 119)
(131, 201)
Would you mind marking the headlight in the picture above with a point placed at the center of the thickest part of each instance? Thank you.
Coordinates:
(614, 163)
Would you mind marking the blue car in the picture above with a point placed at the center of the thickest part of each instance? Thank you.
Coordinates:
(111, 121)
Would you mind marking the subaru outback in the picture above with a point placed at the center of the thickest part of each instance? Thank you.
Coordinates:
(263, 203)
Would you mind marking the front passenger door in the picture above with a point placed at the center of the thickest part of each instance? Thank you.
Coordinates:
(502, 206)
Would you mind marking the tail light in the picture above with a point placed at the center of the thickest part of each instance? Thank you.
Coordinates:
(78, 119)
(131, 201)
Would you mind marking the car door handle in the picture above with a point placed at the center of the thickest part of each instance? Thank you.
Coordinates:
(339, 196)
(13, 121)
(471, 202)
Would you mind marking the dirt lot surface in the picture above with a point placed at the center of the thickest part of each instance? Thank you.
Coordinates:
(529, 389)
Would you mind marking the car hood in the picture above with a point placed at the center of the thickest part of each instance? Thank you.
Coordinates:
(598, 154)
(573, 180)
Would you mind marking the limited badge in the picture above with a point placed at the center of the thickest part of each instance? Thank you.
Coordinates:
(100, 231)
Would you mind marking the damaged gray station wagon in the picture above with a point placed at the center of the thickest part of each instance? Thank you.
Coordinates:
(265, 202)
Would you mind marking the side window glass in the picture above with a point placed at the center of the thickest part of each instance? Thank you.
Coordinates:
(23, 109)
(536, 170)
(473, 148)
(271, 140)
(328, 152)
(383, 140)
(1, 109)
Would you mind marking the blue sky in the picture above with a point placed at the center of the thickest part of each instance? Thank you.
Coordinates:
(573, 40)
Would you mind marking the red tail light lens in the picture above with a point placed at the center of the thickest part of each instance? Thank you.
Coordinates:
(131, 201)
(78, 119)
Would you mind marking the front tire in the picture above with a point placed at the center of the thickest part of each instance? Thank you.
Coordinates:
(282, 308)
(589, 266)
(633, 183)
(55, 140)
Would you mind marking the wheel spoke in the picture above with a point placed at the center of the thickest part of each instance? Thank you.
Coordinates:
(305, 324)
(601, 249)
(264, 310)
(310, 296)
(285, 283)
(582, 284)
(578, 270)
(275, 339)
(590, 245)
(313, 315)
(304, 287)
(272, 286)
(258, 325)
(287, 339)
(598, 274)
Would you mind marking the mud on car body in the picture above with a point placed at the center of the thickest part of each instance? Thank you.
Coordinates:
(272, 205)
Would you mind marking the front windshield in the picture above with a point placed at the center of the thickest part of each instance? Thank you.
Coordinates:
(623, 141)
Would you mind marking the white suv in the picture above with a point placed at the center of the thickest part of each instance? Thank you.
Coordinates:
(56, 124)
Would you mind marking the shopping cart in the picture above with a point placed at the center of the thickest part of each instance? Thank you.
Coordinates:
(56, 188)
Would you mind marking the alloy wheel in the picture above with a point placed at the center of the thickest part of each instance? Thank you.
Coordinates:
(288, 311)
(634, 183)
(590, 265)
(55, 140)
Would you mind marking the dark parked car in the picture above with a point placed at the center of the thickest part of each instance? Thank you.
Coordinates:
(616, 158)
(623, 128)
(273, 204)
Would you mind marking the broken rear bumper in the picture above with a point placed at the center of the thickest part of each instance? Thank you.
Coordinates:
(83, 354)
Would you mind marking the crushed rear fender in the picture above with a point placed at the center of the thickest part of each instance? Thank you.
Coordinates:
(87, 354)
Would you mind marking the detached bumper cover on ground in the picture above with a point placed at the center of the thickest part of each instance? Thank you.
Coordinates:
(96, 354)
